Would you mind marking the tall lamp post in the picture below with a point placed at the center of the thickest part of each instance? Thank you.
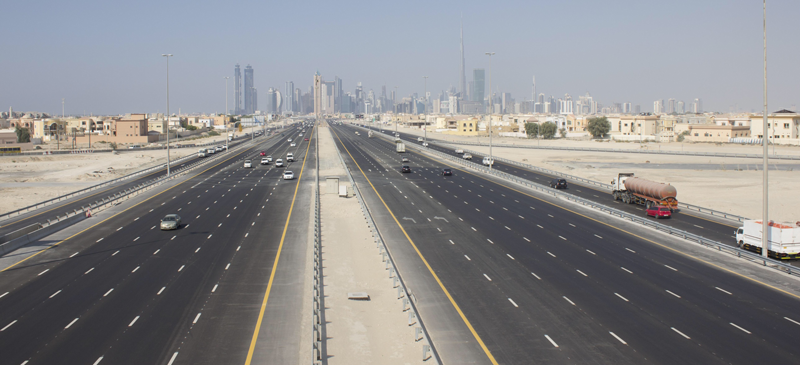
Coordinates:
(425, 94)
(491, 106)
(225, 118)
(765, 168)
(167, 55)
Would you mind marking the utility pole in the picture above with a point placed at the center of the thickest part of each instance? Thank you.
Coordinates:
(765, 168)
(491, 106)
(425, 138)
(167, 56)
(225, 120)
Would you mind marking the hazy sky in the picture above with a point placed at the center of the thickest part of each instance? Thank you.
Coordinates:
(104, 57)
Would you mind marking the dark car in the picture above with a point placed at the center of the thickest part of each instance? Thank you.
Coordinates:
(447, 172)
(558, 184)
(406, 168)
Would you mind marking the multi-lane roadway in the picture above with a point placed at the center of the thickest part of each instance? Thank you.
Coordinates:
(539, 282)
(125, 292)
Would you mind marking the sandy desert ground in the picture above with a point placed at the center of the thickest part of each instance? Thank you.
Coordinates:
(730, 185)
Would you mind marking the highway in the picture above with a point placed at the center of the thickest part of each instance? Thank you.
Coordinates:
(125, 292)
(51, 211)
(542, 283)
(685, 220)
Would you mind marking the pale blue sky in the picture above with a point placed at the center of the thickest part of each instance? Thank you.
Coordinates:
(105, 56)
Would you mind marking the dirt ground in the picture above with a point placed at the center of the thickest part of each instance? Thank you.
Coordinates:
(730, 185)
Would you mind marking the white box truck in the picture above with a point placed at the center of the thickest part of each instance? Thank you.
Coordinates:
(201, 153)
(400, 147)
(784, 238)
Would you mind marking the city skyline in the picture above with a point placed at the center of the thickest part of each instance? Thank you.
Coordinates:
(113, 82)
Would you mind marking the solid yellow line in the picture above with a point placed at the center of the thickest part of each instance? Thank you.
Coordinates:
(630, 233)
(133, 206)
(275, 264)
(430, 269)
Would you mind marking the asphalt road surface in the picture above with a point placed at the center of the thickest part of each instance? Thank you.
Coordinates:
(540, 283)
(125, 292)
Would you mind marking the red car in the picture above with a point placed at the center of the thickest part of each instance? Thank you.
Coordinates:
(659, 211)
(306, 139)
(263, 153)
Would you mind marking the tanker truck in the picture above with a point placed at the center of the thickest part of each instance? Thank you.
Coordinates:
(636, 190)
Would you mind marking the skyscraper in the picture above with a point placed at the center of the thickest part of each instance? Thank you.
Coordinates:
(317, 96)
(479, 83)
(289, 95)
(237, 90)
(533, 95)
(463, 71)
(249, 105)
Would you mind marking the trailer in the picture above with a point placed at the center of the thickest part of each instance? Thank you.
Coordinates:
(783, 238)
(635, 190)
(400, 147)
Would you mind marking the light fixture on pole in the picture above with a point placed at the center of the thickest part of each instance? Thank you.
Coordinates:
(491, 106)
(167, 56)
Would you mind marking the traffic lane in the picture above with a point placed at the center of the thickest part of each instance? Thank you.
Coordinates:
(574, 255)
(682, 220)
(529, 327)
(109, 274)
(77, 202)
(484, 219)
(194, 264)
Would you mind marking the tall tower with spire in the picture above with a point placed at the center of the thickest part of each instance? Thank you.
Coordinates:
(463, 72)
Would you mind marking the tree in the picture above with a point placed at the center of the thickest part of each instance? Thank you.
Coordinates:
(563, 132)
(548, 130)
(532, 129)
(23, 134)
(598, 127)
(190, 127)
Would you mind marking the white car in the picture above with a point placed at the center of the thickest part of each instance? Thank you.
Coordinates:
(264, 161)
(269, 158)
(279, 163)
(488, 161)
(218, 148)
(424, 144)
(248, 164)
(290, 139)
(459, 151)
(288, 175)
(467, 156)
(419, 139)
(293, 145)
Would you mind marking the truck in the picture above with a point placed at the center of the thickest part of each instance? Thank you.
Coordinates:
(784, 238)
(369, 134)
(635, 190)
(201, 153)
(230, 136)
(400, 147)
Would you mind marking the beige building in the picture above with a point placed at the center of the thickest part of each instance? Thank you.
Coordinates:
(715, 133)
(781, 125)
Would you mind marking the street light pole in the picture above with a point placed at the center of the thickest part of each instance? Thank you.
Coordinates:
(425, 139)
(765, 168)
(491, 106)
(167, 56)
(225, 118)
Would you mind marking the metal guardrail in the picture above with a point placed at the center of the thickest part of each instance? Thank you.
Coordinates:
(620, 150)
(409, 303)
(317, 289)
(95, 187)
(748, 255)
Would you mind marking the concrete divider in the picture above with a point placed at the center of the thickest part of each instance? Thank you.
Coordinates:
(39, 233)
(20, 232)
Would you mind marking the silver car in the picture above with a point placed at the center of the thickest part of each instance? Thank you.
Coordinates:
(171, 221)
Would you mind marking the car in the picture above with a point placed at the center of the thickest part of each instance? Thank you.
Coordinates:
(659, 211)
(290, 157)
(419, 139)
(558, 184)
(447, 172)
(300, 135)
(289, 140)
(248, 164)
(406, 168)
(305, 139)
(264, 161)
(279, 163)
(269, 158)
(424, 144)
(288, 175)
(467, 156)
(262, 153)
(459, 151)
(488, 161)
(210, 151)
(405, 159)
(293, 145)
(170, 221)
